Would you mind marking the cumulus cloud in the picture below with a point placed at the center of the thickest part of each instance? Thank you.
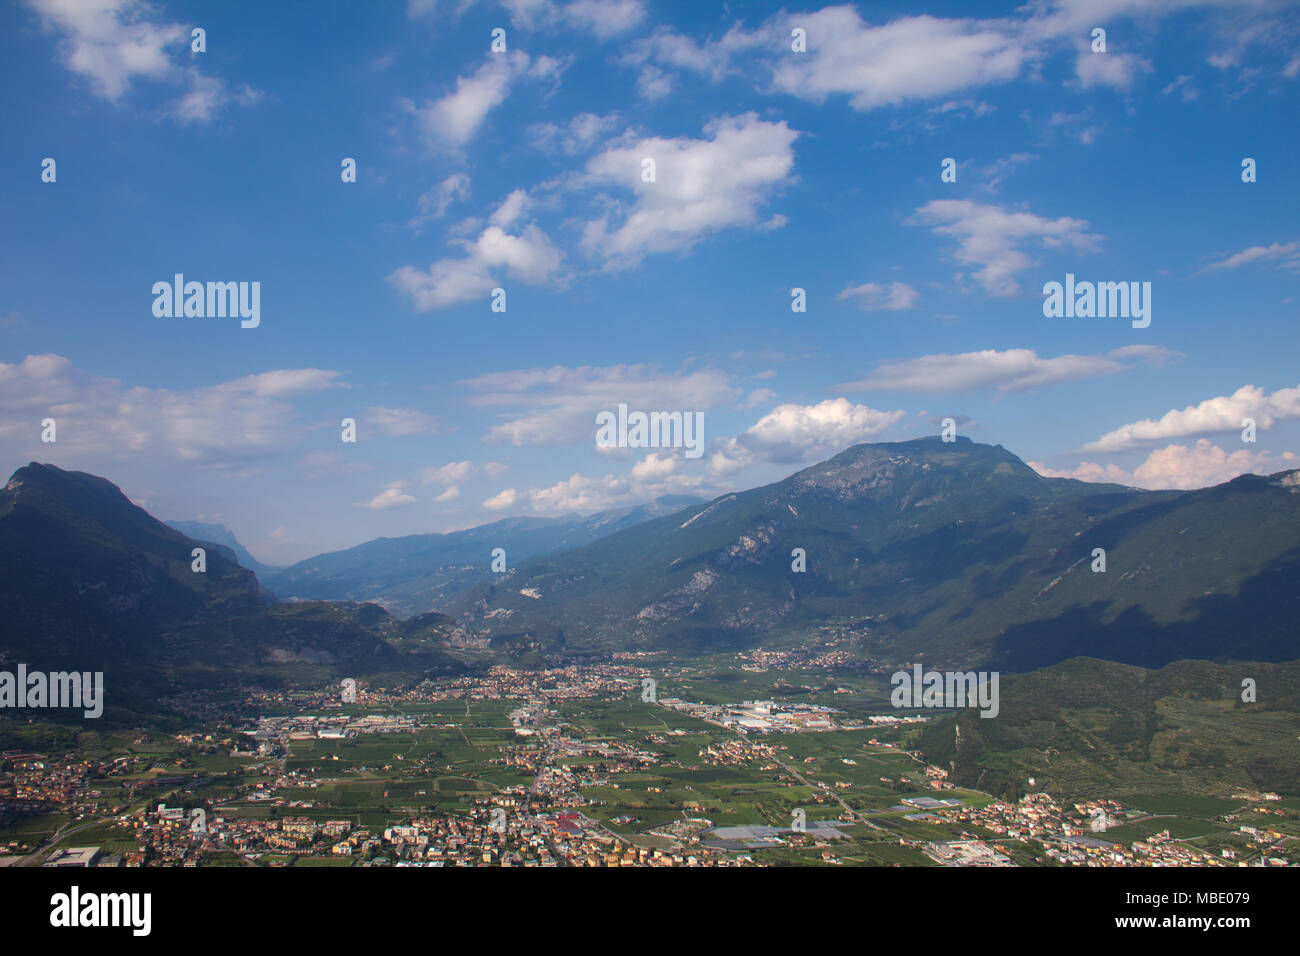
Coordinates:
(1086, 471)
(873, 297)
(916, 58)
(448, 474)
(989, 237)
(391, 497)
(791, 434)
(1223, 413)
(504, 499)
(909, 58)
(1178, 466)
(510, 209)
(452, 120)
(1012, 370)
(658, 473)
(654, 465)
(1181, 467)
(701, 186)
(112, 43)
(528, 255)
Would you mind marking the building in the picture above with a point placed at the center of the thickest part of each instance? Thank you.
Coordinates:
(74, 856)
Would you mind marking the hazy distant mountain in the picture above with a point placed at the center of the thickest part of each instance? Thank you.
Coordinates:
(422, 572)
(90, 581)
(941, 552)
(220, 534)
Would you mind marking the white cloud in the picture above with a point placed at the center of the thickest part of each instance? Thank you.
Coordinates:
(1080, 125)
(923, 57)
(575, 137)
(1012, 370)
(453, 120)
(654, 466)
(207, 97)
(1223, 413)
(1086, 471)
(112, 43)
(1184, 87)
(1287, 254)
(989, 236)
(391, 497)
(873, 297)
(1116, 70)
(604, 18)
(712, 58)
(1178, 466)
(528, 256)
(510, 209)
(702, 186)
(759, 396)
(1181, 467)
(399, 421)
(560, 404)
(433, 203)
(795, 433)
(653, 83)
(505, 499)
(654, 475)
(448, 474)
(104, 420)
(909, 58)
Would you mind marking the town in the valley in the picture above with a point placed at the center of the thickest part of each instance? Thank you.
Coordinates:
(763, 758)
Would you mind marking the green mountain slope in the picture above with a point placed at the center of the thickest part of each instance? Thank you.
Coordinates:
(92, 582)
(949, 553)
(1088, 728)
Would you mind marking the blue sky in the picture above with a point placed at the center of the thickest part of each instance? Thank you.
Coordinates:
(521, 170)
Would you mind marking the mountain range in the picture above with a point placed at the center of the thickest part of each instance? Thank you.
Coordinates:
(420, 572)
(91, 582)
(949, 554)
